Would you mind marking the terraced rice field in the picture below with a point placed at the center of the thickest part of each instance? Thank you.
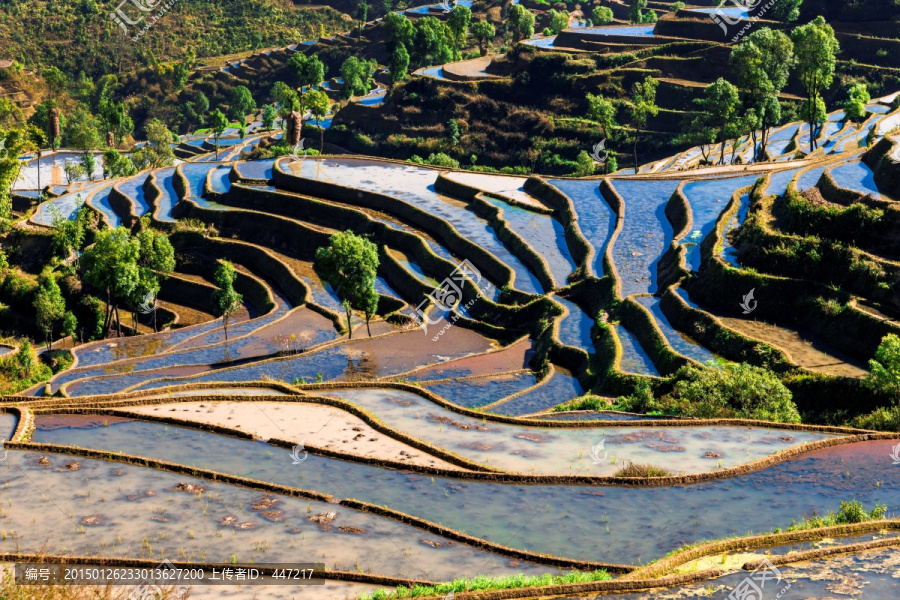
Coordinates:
(410, 456)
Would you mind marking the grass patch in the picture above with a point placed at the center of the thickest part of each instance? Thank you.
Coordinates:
(485, 582)
(851, 511)
(641, 470)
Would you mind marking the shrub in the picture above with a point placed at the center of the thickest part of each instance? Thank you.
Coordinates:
(851, 511)
(441, 160)
(736, 390)
(641, 470)
(884, 369)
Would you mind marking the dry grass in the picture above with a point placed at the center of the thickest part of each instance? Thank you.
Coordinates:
(9, 590)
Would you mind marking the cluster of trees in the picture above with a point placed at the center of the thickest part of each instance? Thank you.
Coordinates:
(128, 268)
(640, 107)
(430, 41)
(762, 64)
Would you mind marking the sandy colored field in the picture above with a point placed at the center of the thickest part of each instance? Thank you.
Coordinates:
(314, 424)
(804, 350)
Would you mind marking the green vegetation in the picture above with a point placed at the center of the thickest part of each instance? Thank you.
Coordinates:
(485, 583)
(21, 370)
(350, 264)
(225, 300)
(851, 511)
(641, 470)
(884, 369)
(735, 391)
(815, 48)
(79, 36)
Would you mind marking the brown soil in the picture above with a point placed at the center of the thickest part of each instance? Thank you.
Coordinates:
(803, 348)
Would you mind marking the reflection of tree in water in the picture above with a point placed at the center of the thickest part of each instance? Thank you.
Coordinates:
(360, 368)
(140, 346)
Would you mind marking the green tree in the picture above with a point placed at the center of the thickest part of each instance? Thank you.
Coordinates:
(362, 13)
(602, 15)
(559, 20)
(318, 103)
(218, 123)
(157, 152)
(816, 114)
(857, 99)
(635, 12)
(458, 21)
(453, 133)
(49, 305)
(483, 32)
(156, 260)
(226, 301)
(201, 107)
(242, 103)
(641, 108)
(286, 98)
(585, 164)
(762, 63)
(398, 29)
(269, 114)
(603, 112)
(56, 81)
(69, 324)
(116, 164)
(357, 75)
(884, 368)
(786, 10)
(310, 71)
(350, 263)
(650, 17)
(110, 264)
(399, 64)
(520, 21)
(69, 234)
(720, 105)
(431, 42)
(815, 47)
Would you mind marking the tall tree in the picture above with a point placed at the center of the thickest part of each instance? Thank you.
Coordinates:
(310, 71)
(398, 29)
(399, 63)
(720, 106)
(157, 152)
(226, 301)
(156, 260)
(641, 108)
(362, 13)
(110, 264)
(762, 63)
(318, 103)
(242, 103)
(603, 112)
(350, 263)
(483, 32)
(520, 22)
(218, 123)
(431, 42)
(635, 11)
(268, 116)
(49, 305)
(286, 98)
(815, 47)
(458, 21)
